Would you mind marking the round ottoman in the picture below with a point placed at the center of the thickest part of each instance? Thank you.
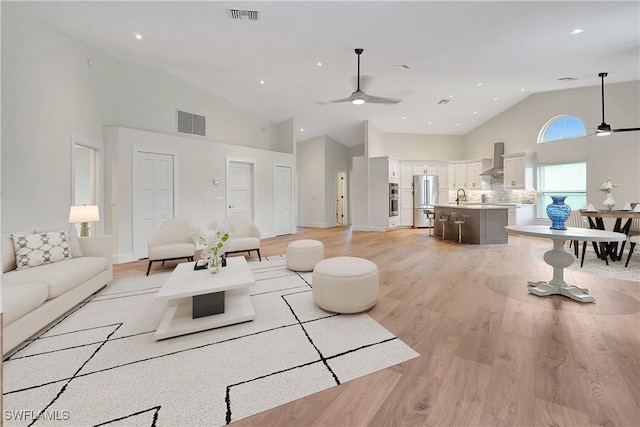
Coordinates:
(303, 255)
(345, 284)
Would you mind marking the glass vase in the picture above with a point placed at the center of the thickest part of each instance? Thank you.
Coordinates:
(215, 264)
(558, 212)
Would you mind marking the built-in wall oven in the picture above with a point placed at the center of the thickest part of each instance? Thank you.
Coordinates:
(394, 199)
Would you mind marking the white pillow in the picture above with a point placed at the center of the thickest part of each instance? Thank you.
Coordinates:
(33, 250)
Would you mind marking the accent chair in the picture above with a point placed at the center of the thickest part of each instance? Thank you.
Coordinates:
(172, 241)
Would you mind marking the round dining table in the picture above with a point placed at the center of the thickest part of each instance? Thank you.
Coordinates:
(560, 259)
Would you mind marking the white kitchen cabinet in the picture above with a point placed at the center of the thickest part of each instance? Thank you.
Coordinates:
(443, 175)
(457, 175)
(518, 171)
(423, 168)
(474, 180)
(407, 170)
(394, 170)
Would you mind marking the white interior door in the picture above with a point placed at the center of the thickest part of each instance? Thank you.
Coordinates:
(282, 200)
(153, 197)
(240, 188)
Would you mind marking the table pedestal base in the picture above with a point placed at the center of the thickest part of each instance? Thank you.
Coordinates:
(547, 288)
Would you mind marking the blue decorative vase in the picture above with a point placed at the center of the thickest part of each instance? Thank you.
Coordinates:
(558, 212)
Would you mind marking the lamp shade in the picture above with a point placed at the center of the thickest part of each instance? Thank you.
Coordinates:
(84, 213)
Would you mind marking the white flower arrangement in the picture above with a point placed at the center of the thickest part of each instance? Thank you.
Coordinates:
(607, 186)
(215, 243)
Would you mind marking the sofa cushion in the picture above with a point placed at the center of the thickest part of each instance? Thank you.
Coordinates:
(60, 276)
(33, 250)
(74, 245)
(173, 250)
(244, 244)
(18, 300)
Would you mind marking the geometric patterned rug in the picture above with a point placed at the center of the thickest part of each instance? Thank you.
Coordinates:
(100, 365)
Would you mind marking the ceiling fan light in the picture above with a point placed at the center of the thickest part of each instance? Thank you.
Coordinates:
(357, 101)
(603, 130)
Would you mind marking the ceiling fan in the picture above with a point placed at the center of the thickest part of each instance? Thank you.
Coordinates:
(604, 128)
(359, 97)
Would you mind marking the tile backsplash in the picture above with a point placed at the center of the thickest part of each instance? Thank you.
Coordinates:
(497, 194)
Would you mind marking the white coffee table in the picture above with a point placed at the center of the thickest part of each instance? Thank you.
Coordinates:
(198, 300)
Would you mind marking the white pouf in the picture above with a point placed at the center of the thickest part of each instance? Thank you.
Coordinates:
(345, 284)
(303, 255)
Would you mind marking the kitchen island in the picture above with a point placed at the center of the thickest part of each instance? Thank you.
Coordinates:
(485, 223)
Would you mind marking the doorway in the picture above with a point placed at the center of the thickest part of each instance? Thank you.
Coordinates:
(341, 198)
(153, 196)
(240, 185)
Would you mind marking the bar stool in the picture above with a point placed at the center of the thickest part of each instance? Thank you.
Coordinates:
(459, 219)
(442, 218)
(430, 216)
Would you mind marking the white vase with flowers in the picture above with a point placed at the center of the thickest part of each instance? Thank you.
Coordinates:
(607, 187)
(214, 245)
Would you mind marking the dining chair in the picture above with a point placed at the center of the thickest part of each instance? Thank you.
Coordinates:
(633, 241)
(575, 221)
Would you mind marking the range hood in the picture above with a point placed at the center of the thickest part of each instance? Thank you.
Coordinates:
(498, 160)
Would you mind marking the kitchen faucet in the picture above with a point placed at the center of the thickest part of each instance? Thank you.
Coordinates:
(464, 196)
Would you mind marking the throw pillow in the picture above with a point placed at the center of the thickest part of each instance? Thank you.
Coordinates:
(74, 244)
(33, 250)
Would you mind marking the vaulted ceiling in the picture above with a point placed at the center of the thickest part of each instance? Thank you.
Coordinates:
(480, 57)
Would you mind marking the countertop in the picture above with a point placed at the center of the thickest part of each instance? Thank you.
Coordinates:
(479, 206)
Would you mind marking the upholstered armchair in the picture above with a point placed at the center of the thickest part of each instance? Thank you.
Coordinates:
(244, 236)
(173, 240)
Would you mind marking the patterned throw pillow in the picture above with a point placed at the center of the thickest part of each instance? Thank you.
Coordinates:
(33, 250)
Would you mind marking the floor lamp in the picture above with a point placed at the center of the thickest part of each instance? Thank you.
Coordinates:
(84, 215)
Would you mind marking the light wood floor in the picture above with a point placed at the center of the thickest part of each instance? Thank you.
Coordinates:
(490, 354)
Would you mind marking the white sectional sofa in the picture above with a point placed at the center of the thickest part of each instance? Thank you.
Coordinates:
(34, 297)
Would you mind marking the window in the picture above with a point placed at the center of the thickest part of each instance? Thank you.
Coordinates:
(562, 127)
(562, 179)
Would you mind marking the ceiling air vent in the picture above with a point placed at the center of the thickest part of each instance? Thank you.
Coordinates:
(567, 79)
(444, 101)
(243, 15)
(191, 124)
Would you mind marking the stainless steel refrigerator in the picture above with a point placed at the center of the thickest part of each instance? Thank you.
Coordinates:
(425, 196)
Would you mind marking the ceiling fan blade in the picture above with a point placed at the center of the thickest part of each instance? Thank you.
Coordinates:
(378, 100)
(625, 130)
(341, 100)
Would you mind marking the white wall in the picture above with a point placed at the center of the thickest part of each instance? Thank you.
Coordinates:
(373, 141)
(196, 164)
(616, 156)
(285, 137)
(311, 182)
(49, 92)
(423, 147)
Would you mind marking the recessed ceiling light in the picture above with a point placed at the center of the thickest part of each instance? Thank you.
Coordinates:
(404, 118)
(428, 123)
(261, 82)
(301, 130)
(576, 31)
(495, 99)
(319, 64)
(457, 124)
(479, 84)
(450, 96)
(523, 89)
(475, 112)
(138, 36)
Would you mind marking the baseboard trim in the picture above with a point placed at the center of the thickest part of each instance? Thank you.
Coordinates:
(122, 258)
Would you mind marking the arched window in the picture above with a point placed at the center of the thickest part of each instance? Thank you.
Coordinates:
(562, 127)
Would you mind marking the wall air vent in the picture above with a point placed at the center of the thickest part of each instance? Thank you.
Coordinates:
(190, 123)
(243, 15)
(444, 101)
